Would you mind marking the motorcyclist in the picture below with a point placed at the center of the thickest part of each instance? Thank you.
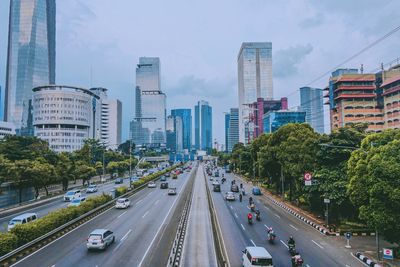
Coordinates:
(243, 192)
(241, 185)
(250, 200)
(252, 206)
(240, 198)
(297, 261)
(291, 241)
(270, 234)
(258, 215)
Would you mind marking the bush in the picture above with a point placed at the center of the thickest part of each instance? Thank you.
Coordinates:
(120, 191)
(8, 242)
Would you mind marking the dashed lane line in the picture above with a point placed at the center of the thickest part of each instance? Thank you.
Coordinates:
(284, 244)
(321, 247)
(293, 227)
(277, 215)
(243, 227)
(144, 215)
(236, 215)
(122, 240)
(122, 214)
(156, 202)
(254, 244)
(265, 206)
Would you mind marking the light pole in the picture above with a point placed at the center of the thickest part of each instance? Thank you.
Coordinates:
(130, 163)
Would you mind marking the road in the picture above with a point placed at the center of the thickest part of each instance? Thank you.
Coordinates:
(137, 230)
(198, 246)
(315, 248)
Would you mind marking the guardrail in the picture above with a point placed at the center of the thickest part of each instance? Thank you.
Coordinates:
(24, 250)
(222, 255)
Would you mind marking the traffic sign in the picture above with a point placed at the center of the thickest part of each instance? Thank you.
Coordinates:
(348, 235)
(327, 200)
(307, 176)
(308, 182)
(388, 253)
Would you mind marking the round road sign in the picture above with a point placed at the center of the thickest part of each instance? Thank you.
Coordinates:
(307, 176)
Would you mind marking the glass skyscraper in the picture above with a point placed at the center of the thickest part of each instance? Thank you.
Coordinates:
(186, 116)
(150, 101)
(275, 119)
(311, 101)
(231, 129)
(31, 58)
(203, 126)
(254, 81)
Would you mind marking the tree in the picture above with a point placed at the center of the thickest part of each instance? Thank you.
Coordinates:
(18, 173)
(145, 165)
(124, 147)
(91, 152)
(255, 148)
(42, 175)
(375, 184)
(99, 167)
(65, 169)
(84, 171)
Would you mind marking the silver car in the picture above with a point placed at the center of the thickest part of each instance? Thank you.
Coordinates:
(100, 239)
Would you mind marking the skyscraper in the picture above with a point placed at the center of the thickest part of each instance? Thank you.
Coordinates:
(254, 81)
(227, 118)
(203, 126)
(232, 134)
(174, 133)
(311, 101)
(186, 116)
(1, 105)
(31, 58)
(150, 103)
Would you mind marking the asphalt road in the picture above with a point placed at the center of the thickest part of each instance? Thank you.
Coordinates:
(315, 248)
(137, 229)
(198, 246)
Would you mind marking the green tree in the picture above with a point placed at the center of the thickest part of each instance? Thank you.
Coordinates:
(19, 174)
(84, 171)
(65, 169)
(145, 165)
(91, 152)
(42, 175)
(124, 147)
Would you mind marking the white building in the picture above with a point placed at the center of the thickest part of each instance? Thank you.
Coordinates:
(64, 116)
(6, 129)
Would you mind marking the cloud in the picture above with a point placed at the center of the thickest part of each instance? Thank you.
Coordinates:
(287, 60)
(312, 22)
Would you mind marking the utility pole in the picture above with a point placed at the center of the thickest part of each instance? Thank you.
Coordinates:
(283, 183)
(130, 163)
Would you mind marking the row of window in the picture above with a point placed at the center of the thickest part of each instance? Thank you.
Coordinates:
(47, 118)
(61, 111)
(81, 135)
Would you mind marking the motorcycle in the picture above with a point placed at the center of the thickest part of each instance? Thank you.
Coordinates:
(271, 237)
(250, 220)
(297, 261)
(252, 207)
(258, 216)
(292, 249)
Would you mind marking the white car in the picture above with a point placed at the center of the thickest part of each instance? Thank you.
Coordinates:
(172, 191)
(76, 201)
(215, 182)
(100, 239)
(72, 194)
(91, 188)
(151, 184)
(229, 196)
(122, 203)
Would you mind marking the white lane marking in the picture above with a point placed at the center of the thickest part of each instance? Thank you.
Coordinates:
(317, 244)
(248, 207)
(242, 227)
(144, 215)
(293, 227)
(254, 244)
(284, 244)
(159, 228)
(122, 240)
(277, 215)
(231, 207)
(347, 265)
(156, 202)
(150, 193)
(236, 215)
(309, 265)
(266, 207)
(266, 225)
(122, 214)
(139, 201)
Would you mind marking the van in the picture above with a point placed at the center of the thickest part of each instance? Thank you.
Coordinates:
(21, 219)
(256, 256)
(72, 194)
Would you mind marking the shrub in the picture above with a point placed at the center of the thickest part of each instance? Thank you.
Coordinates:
(8, 242)
(120, 191)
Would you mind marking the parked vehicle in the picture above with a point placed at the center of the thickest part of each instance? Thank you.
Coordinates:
(100, 239)
(21, 219)
(91, 188)
(256, 256)
(77, 201)
(122, 203)
(256, 191)
(72, 194)
(167, 174)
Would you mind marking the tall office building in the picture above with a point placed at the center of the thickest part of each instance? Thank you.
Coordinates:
(254, 81)
(150, 101)
(31, 58)
(311, 102)
(231, 129)
(203, 126)
(227, 118)
(174, 133)
(1, 105)
(186, 116)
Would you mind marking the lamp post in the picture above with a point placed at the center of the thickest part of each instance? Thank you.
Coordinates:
(130, 163)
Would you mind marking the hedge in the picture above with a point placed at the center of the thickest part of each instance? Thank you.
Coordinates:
(8, 242)
(120, 191)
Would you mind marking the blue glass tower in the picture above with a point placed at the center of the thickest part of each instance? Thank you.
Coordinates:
(186, 116)
(203, 126)
(275, 119)
(31, 57)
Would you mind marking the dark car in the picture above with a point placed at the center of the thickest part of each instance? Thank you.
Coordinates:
(234, 188)
(119, 181)
(227, 171)
(163, 178)
(164, 185)
(217, 188)
(256, 191)
(167, 174)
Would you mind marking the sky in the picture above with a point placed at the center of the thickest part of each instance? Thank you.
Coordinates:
(99, 43)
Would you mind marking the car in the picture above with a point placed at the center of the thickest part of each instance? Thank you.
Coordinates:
(215, 182)
(151, 184)
(72, 194)
(21, 219)
(211, 178)
(227, 171)
(91, 188)
(100, 239)
(164, 185)
(122, 203)
(174, 176)
(256, 256)
(172, 191)
(256, 191)
(76, 202)
(167, 174)
(216, 174)
(134, 179)
(230, 196)
(234, 188)
(163, 178)
(119, 181)
(217, 188)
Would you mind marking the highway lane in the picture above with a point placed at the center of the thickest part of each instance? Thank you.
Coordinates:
(316, 249)
(44, 209)
(198, 246)
(135, 229)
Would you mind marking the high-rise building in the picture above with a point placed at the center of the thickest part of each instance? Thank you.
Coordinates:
(150, 103)
(390, 89)
(311, 101)
(6, 129)
(254, 81)
(31, 58)
(275, 119)
(186, 115)
(1, 105)
(231, 129)
(174, 133)
(203, 126)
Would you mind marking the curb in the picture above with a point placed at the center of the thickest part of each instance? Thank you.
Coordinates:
(366, 260)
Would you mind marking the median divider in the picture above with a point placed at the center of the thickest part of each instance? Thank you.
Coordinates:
(28, 248)
(221, 253)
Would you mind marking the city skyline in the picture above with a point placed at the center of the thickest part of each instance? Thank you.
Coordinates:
(196, 66)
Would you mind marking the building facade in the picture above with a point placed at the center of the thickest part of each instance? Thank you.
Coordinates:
(64, 116)
(6, 129)
(275, 119)
(254, 81)
(390, 89)
(231, 129)
(186, 116)
(227, 119)
(30, 58)
(203, 126)
(150, 117)
(311, 102)
(174, 133)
